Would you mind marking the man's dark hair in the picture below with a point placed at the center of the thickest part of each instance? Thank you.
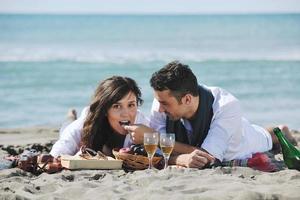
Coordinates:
(176, 77)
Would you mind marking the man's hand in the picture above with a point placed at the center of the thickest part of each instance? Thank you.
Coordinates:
(195, 159)
(137, 132)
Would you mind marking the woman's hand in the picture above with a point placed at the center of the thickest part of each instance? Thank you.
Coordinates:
(137, 132)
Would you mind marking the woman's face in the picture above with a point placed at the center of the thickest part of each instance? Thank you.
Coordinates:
(122, 111)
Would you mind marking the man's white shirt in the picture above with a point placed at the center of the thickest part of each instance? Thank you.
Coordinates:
(230, 136)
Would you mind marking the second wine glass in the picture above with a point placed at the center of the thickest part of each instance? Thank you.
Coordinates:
(167, 142)
(150, 144)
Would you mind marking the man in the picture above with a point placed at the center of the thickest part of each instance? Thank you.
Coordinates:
(207, 121)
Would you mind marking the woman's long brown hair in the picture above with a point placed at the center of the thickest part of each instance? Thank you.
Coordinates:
(96, 128)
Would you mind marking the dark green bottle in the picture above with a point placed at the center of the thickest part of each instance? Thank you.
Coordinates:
(291, 155)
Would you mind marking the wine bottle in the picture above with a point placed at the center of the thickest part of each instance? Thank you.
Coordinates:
(291, 155)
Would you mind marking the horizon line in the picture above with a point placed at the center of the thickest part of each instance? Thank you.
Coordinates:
(151, 13)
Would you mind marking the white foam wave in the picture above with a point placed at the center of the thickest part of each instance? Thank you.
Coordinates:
(148, 55)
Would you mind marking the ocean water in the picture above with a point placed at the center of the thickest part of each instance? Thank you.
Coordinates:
(50, 63)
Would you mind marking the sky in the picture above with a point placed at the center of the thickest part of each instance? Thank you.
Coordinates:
(149, 6)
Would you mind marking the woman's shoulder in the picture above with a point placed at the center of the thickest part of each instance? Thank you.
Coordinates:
(74, 129)
(84, 112)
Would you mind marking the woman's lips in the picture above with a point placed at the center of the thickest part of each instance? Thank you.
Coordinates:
(124, 122)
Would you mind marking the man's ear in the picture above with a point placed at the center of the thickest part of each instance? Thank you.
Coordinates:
(187, 99)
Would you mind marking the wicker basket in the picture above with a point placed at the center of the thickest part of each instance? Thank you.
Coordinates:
(135, 162)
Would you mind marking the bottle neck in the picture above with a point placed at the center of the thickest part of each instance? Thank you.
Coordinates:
(286, 146)
(282, 139)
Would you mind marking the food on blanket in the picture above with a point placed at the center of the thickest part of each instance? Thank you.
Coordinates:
(90, 154)
(125, 150)
(45, 158)
(139, 149)
(52, 166)
(36, 163)
(135, 149)
(136, 158)
(28, 161)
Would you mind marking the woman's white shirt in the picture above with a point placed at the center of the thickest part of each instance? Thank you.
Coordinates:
(70, 137)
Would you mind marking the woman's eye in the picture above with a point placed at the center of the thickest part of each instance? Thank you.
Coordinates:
(116, 106)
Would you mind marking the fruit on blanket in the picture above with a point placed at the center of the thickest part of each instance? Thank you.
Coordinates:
(261, 162)
(125, 150)
(45, 158)
(138, 149)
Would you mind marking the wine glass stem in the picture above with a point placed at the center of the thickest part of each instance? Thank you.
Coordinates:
(166, 162)
(150, 162)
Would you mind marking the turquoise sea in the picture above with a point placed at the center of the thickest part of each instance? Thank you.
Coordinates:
(50, 63)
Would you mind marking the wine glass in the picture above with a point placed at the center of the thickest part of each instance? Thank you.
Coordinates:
(150, 144)
(167, 142)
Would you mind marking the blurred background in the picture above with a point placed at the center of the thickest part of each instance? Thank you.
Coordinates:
(54, 53)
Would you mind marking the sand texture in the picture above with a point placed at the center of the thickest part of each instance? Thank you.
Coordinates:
(172, 183)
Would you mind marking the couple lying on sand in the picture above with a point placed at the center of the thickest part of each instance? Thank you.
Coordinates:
(208, 121)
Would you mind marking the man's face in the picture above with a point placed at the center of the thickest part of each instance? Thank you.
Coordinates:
(169, 104)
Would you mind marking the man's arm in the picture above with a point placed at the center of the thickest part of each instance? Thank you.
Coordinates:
(190, 156)
(181, 148)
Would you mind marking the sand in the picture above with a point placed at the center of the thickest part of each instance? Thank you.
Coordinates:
(172, 183)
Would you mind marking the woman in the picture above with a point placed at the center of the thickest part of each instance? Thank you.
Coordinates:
(100, 126)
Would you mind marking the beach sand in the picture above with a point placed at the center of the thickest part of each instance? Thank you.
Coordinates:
(172, 183)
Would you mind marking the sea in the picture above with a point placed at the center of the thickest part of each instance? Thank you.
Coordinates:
(51, 63)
